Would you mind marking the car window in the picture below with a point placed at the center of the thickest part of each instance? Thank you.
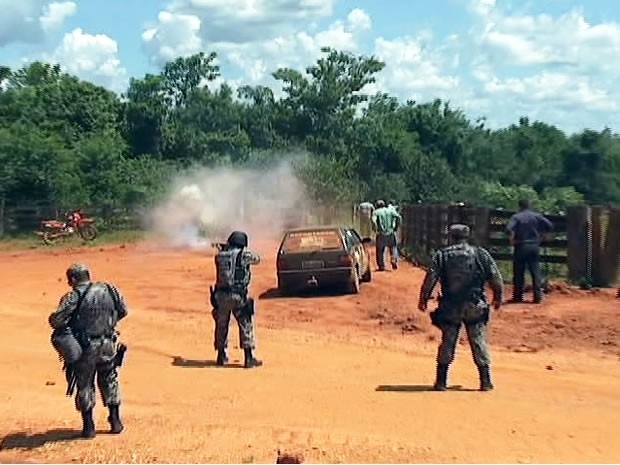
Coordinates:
(356, 235)
(308, 241)
(350, 238)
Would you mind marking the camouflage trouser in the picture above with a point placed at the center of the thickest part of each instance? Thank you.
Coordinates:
(476, 335)
(228, 304)
(97, 361)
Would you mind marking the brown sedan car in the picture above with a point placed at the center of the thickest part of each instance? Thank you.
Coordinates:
(321, 256)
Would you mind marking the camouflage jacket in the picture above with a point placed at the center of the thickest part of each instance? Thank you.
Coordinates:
(102, 307)
(490, 272)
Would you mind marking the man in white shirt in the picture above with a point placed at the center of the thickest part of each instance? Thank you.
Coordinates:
(365, 210)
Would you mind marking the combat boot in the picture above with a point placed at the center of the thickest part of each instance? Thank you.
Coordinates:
(114, 418)
(441, 380)
(485, 378)
(222, 358)
(250, 360)
(88, 425)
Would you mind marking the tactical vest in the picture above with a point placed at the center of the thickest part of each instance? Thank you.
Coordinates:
(231, 274)
(461, 276)
(98, 314)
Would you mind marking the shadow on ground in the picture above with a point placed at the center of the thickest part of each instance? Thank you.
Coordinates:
(331, 291)
(23, 440)
(179, 361)
(417, 388)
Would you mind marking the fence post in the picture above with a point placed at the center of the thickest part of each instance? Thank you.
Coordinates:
(2, 216)
(442, 225)
(405, 229)
(611, 254)
(481, 231)
(579, 243)
(598, 242)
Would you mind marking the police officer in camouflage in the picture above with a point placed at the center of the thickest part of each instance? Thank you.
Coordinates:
(230, 295)
(462, 271)
(91, 311)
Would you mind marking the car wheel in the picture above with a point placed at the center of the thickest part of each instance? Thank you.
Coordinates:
(367, 276)
(354, 283)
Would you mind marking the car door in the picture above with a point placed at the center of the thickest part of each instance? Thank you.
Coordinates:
(355, 247)
(363, 249)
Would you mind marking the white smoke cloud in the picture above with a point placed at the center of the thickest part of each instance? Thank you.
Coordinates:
(206, 205)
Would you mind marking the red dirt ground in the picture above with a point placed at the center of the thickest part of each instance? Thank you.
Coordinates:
(345, 377)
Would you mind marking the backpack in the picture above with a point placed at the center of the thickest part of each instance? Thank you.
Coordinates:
(462, 272)
(227, 262)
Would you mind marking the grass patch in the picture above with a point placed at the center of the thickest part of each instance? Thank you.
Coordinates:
(32, 241)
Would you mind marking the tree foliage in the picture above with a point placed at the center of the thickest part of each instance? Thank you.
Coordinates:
(69, 142)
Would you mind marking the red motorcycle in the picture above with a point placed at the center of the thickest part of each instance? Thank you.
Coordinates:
(76, 224)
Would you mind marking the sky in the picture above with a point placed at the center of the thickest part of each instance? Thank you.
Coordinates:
(550, 60)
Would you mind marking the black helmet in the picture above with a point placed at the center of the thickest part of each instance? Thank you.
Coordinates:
(78, 272)
(459, 231)
(237, 239)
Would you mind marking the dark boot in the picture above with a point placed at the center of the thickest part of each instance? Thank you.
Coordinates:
(441, 380)
(222, 358)
(88, 425)
(116, 426)
(538, 296)
(250, 361)
(485, 378)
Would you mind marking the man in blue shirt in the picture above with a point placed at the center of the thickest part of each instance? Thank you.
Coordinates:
(526, 228)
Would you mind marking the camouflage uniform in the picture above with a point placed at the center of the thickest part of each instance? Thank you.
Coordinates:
(101, 308)
(470, 309)
(234, 300)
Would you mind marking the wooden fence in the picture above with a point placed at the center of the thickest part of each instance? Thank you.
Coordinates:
(585, 246)
(585, 243)
(15, 220)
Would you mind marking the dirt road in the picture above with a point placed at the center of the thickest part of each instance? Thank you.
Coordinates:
(345, 377)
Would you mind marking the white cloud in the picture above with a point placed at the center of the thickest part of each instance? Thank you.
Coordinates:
(91, 57)
(28, 21)
(558, 88)
(506, 66)
(178, 34)
(413, 70)
(561, 68)
(544, 40)
(359, 20)
(509, 63)
(241, 21)
(55, 13)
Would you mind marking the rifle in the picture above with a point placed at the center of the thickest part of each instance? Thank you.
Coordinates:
(71, 379)
(219, 245)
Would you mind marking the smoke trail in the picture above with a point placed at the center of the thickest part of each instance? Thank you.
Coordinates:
(206, 205)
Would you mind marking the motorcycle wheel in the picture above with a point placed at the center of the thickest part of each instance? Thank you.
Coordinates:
(47, 240)
(88, 232)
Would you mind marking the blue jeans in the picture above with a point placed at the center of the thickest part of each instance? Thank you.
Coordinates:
(381, 243)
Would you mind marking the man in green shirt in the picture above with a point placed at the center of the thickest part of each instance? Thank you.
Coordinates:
(386, 222)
